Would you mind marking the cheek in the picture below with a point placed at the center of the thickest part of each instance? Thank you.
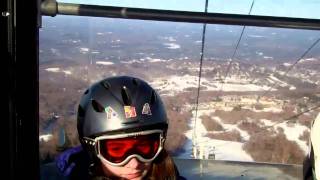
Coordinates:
(119, 171)
(112, 170)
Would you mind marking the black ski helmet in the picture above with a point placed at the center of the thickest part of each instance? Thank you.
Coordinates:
(120, 104)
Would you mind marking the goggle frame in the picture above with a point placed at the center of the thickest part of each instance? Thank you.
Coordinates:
(96, 143)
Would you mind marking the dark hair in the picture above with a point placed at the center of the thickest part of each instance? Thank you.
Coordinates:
(163, 168)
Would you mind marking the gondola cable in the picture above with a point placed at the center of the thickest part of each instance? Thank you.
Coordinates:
(234, 53)
(291, 67)
(199, 76)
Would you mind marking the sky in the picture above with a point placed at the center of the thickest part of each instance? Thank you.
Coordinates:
(282, 8)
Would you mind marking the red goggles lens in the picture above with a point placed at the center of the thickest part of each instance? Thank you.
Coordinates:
(117, 150)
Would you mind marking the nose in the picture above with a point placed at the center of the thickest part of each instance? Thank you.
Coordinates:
(133, 163)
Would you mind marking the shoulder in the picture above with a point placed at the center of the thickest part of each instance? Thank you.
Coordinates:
(50, 171)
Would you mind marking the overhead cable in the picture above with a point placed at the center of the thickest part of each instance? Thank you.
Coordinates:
(291, 118)
(234, 53)
(291, 67)
(200, 71)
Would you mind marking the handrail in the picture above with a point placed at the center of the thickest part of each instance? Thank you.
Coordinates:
(52, 8)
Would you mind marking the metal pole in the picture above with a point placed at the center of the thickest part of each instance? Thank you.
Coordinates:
(53, 8)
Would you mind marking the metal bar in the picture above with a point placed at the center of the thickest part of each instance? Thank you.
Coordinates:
(179, 16)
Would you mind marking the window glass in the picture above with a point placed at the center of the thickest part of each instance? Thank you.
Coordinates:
(259, 87)
(77, 51)
(278, 8)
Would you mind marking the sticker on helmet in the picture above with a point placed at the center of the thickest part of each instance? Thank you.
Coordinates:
(146, 109)
(110, 112)
(130, 111)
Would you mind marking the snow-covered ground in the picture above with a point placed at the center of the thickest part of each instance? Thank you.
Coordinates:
(287, 64)
(278, 81)
(172, 45)
(292, 132)
(308, 60)
(230, 127)
(84, 50)
(57, 70)
(230, 150)
(223, 150)
(104, 63)
(169, 38)
(176, 84)
(156, 60)
(54, 69)
(268, 109)
(132, 61)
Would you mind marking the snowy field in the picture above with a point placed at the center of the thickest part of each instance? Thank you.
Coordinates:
(223, 150)
(176, 84)
(292, 132)
(230, 150)
(57, 70)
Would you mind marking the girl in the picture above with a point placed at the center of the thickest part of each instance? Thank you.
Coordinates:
(122, 126)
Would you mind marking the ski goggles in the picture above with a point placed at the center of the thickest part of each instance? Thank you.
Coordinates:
(118, 150)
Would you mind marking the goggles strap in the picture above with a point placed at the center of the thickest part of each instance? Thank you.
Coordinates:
(89, 141)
